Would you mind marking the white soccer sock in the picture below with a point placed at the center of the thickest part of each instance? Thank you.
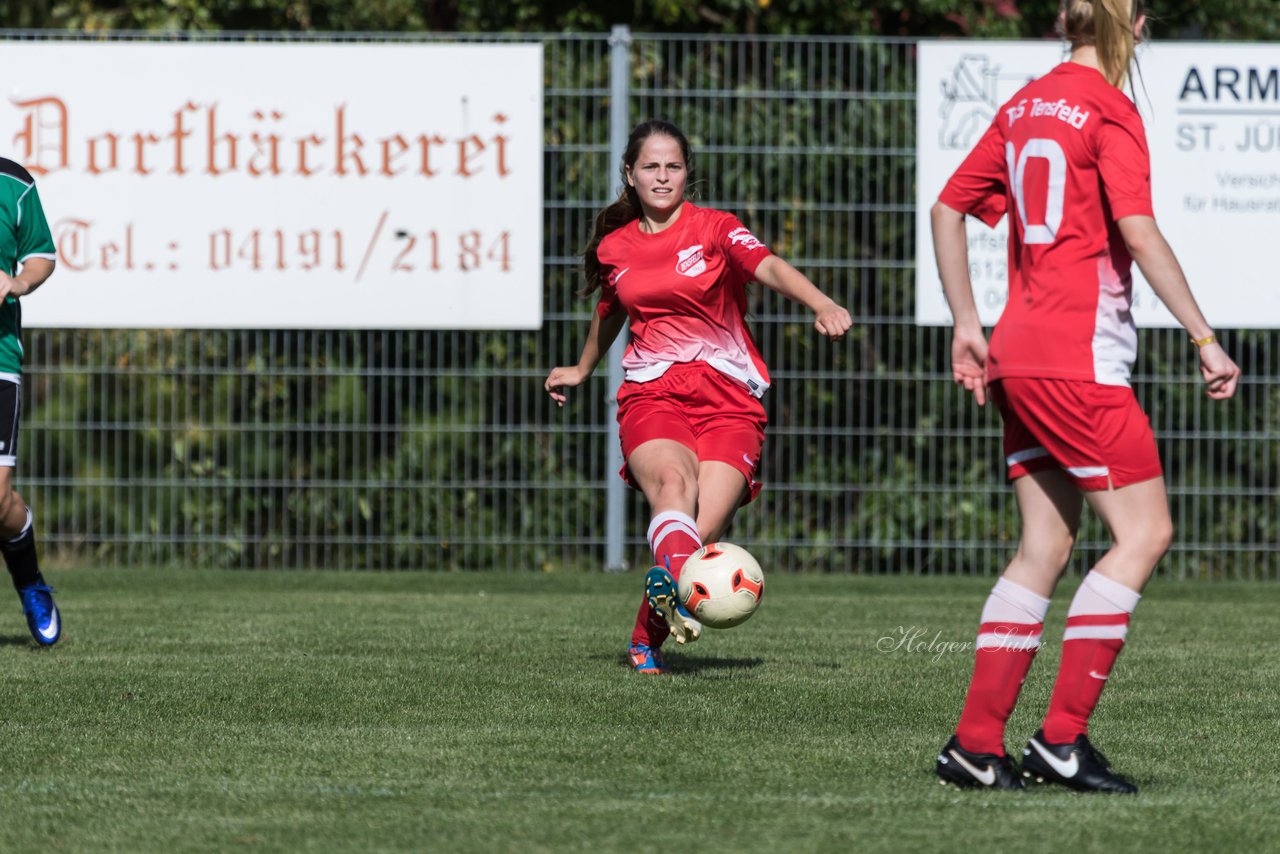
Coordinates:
(674, 534)
(1011, 604)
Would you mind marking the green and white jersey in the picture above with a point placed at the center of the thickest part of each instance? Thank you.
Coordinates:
(24, 233)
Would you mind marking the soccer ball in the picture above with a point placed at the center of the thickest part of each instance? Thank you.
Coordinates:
(721, 585)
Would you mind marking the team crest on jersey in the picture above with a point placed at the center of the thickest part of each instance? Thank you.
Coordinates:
(748, 240)
(690, 262)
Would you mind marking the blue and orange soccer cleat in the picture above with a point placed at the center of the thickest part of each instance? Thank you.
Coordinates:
(646, 659)
(43, 618)
(660, 591)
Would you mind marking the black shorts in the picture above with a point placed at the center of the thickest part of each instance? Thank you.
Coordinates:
(10, 412)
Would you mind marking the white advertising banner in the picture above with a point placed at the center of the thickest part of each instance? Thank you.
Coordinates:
(1212, 115)
(283, 185)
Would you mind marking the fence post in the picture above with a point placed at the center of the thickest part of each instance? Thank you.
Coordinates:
(619, 129)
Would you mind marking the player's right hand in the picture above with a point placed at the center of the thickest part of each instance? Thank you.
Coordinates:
(1219, 372)
(562, 378)
(969, 363)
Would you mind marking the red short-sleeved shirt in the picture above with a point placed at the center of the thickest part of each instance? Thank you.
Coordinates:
(1066, 157)
(684, 291)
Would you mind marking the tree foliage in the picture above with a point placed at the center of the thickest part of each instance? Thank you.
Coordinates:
(1211, 19)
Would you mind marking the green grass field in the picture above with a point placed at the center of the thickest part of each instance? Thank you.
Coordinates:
(206, 710)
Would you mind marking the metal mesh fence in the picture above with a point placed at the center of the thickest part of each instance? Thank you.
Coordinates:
(435, 450)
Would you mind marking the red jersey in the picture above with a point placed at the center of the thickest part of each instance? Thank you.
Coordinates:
(684, 290)
(1067, 157)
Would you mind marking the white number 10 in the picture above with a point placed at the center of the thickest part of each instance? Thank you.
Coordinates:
(1046, 149)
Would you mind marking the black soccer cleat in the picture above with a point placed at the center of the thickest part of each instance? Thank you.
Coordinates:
(1077, 764)
(981, 770)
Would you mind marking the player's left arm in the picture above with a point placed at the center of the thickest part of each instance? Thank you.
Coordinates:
(830, 318)
(1124, 163)
(1154, 257)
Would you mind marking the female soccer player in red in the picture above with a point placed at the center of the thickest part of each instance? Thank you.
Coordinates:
(1067, 159)
(689, 413)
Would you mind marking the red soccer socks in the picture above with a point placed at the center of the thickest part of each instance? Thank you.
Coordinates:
(1097, 624)
(1008, 638)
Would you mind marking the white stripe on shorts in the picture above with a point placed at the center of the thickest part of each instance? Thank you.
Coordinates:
(16, 379)
(1088, 471)
(1023, 456)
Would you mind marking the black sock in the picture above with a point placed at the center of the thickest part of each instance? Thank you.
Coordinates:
(20, 556)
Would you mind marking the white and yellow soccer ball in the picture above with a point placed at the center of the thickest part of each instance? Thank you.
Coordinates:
(721, 585)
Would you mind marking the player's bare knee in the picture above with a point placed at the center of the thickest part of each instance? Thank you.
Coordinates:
(1146, 545)
(675, 484)
(1159, 537)
(1047, 554)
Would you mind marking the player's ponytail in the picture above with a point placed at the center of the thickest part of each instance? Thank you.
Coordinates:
(624, 209)
(1113, 22)
(627, 206)
(1108, 25)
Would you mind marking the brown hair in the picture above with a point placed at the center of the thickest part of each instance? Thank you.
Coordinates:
(627, 206)
(1108, 26)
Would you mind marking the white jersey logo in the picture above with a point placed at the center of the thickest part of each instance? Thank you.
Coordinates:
(689, 262)
(748, 240)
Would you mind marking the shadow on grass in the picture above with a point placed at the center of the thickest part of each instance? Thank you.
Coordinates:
(681, 664)
(711, 666)
(17, 640)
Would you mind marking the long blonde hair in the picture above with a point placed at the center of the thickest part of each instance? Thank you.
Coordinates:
(1108, 26)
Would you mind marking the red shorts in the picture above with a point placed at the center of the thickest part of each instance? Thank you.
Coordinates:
(699, 407)
(1097, 434)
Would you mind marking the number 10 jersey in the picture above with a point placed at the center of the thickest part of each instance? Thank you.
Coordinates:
(1066, 158)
